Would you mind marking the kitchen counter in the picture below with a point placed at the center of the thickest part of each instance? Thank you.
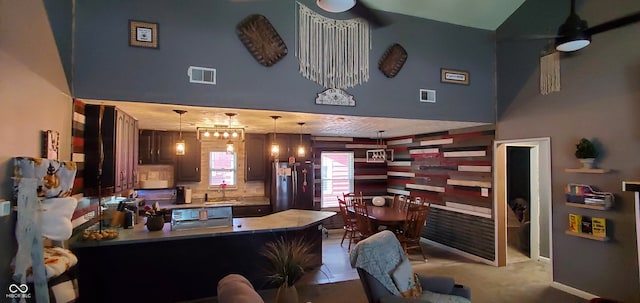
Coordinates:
(281, 221)
(185, 265)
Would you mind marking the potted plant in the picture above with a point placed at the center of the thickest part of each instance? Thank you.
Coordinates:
(288, 260)
(586, 153)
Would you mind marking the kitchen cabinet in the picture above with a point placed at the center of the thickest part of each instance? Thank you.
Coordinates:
(110, 141)
(251, 211)
(188, 165)
(156, 147)
(255, 160)
(289, 146)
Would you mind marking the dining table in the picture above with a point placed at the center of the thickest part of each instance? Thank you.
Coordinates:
(384, 215)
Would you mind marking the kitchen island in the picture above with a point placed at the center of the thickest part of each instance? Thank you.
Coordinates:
(176, 265)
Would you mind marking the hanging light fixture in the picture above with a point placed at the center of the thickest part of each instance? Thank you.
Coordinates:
(180, 146)
(301, 149)
(275, 148)
(379, 154)
(336, 6)
(226, 134)
(206, 133)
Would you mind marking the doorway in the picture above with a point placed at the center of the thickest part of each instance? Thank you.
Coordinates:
(518, 203)
(539, 202)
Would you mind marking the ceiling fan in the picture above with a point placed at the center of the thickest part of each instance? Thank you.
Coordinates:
(574, 33)
(356, 7)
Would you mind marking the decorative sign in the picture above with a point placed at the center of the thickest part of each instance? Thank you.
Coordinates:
(454, 76)
(335, 96)
(143, 34)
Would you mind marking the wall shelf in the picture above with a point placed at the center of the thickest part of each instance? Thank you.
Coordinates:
(589, 206)
(587, 170)
(587, 236)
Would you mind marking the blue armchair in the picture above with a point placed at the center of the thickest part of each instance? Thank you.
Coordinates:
(377, 257)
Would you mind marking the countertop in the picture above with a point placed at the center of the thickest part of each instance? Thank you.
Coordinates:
(292, 219)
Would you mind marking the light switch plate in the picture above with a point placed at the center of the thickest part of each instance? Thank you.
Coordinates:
(5, 208)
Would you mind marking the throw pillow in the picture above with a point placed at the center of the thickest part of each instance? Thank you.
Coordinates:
(406, 280)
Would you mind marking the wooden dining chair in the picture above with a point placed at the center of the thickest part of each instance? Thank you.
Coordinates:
(399, 202)
(350, 223)
(364, 225)
(413, 225)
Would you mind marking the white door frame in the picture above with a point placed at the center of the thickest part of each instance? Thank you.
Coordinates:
(540, 155)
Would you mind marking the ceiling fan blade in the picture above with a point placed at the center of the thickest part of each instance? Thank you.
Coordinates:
(363, 11)
(613, 24)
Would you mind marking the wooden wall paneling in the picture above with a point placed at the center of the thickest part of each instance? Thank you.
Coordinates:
(449, 228)
(77, 134)
(453, 171)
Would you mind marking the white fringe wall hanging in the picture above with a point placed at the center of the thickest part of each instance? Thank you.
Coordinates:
(550, 73)
(332, 53)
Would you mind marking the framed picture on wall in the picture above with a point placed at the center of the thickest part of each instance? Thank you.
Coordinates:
(143, 34)
(454, 76)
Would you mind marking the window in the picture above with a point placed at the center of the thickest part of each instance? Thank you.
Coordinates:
(222, 167)
(336, 175)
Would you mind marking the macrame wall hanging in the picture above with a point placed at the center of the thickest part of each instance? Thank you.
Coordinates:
(550, 73)
(332, 53)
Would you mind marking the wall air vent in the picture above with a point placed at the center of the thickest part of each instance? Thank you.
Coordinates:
(202, 75)
(427, 95)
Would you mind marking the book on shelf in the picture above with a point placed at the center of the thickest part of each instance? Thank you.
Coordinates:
(585, 194)
(586, 225)
(599, 227)
(575, 223)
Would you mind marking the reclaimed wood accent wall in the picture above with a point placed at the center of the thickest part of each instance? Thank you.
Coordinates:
(452, 170)
(369, 178)
(77, 138)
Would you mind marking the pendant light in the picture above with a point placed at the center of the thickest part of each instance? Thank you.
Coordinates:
(275, 148)
(180, 146)
(206, 133)
(226, 134)
(301, 149)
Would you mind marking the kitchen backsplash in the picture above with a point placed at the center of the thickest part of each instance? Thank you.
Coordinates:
(166, 172)
(156, 172)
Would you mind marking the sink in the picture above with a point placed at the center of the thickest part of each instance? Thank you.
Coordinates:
(149, 184)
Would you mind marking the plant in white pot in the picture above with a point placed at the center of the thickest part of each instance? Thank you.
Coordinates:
(288, 262)
(586, 153)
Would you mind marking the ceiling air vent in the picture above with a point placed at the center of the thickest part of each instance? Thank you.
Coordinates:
(202, 75)
(427, 95)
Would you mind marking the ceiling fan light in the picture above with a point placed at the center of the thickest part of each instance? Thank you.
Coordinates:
(573, 45)
(335, 6)
(572, 34)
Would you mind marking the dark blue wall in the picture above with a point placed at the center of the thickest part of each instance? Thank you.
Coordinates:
(202, 33)
(60, 13)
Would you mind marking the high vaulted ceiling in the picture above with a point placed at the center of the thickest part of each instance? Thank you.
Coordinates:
(484, 14)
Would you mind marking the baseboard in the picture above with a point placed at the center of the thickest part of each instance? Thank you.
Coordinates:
(574, 291)
(544, 259)
(460, 252)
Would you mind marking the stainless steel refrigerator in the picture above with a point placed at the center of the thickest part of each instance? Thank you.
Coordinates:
(291, 186)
